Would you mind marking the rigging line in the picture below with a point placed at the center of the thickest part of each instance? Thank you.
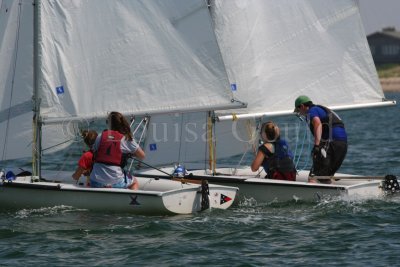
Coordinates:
(144, 129)
(59, 144)
(66, 161)
(132, 121)
(180, 139)
(12, 80)
(297, 154)
(306, 138)
(297, 142)
(239, 163)
(137, 127)
(302, 146)
(146, 120)
(250, 135)
(309, 149)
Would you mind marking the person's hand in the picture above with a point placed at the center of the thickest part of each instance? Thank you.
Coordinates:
(316, 151)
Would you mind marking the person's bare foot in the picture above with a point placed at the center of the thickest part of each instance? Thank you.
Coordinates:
(311, 180)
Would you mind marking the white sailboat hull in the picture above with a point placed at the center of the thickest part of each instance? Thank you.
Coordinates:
(155, 197)
(175, 47)
(267, 190)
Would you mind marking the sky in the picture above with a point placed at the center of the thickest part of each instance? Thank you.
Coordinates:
(378, 14)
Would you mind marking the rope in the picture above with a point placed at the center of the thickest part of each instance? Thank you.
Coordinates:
(234, 117)
(146, 121)
(180, 139)
(302, 146)
(132, 121)
(297, 139)
(59, 144)
(137, 127)
(250, 135)
(306, 134)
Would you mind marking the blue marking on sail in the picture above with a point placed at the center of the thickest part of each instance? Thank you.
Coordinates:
(153, 147)
(60, 90)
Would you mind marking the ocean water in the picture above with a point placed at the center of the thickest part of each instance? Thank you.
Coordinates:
(330, 233)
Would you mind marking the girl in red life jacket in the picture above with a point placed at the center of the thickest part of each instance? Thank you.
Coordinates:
(109, 148)
(85, 163)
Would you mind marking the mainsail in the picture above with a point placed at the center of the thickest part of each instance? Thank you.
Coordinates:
(274, 51)
(188, 139)
(93, 57)
(137, 57)
(277, 50)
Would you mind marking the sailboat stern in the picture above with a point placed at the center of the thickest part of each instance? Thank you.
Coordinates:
(222, 197)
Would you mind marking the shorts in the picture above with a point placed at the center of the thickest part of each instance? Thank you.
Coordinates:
(123, 183)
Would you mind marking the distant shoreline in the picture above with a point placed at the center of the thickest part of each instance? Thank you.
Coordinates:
(390, 84)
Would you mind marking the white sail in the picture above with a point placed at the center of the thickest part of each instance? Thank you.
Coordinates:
(16, 79)
(16, 86)
(277, 50)
(183, 138)
(136, 57)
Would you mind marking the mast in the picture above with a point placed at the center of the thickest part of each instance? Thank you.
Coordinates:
(212, 161)
(37, 123)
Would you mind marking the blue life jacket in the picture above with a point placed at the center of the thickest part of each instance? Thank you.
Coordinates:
(279, 161)
(332, 125)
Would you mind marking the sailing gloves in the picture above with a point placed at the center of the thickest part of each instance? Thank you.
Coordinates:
(318, 152)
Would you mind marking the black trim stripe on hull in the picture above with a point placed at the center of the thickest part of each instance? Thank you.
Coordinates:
(58, 187)
(236, 180)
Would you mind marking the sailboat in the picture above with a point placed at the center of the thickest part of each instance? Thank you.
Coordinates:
(275, 51)
(66, 63)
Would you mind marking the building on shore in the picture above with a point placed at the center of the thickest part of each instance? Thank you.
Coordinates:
(385, 46)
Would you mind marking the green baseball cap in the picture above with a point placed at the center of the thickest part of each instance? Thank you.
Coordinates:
(300, 100)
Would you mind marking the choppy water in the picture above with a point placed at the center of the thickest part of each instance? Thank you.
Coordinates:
(334, 233)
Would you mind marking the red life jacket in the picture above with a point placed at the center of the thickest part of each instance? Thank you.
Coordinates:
(109, 150)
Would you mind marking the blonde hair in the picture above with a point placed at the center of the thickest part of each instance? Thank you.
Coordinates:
(270, 132)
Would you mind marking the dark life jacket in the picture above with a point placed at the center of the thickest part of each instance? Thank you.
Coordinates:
(109, 150)
(331, 120)
(278, 162)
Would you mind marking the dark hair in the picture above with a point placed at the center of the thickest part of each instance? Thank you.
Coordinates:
(308, 104)
(117, 122)
(89, 137)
